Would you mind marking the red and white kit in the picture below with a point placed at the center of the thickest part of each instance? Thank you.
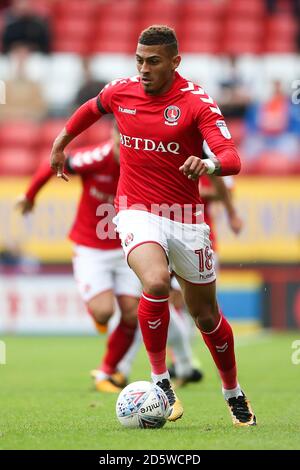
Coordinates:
(150, 183)
(98, 261)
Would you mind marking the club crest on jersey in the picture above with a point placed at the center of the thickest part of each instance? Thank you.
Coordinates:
(172, 114)
(223, 129)
(128, 239)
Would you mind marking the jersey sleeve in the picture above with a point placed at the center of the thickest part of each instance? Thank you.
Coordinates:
(106, 95)
(39, 179)
(83, 117)
(213, 128)
(90, 159)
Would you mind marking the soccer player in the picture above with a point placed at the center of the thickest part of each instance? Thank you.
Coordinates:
(163, 120)
(100, 270)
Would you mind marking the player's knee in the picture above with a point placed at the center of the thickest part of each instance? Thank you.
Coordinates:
(207, 317)
(129, 316)
(128, 307)
(102, 316)
(157, 284)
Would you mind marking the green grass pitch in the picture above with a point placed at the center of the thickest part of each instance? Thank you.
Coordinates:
(48, 402)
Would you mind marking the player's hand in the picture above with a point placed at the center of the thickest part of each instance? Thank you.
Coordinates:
(193, 167)
(24, 205)
(57, 160)
(235, 223)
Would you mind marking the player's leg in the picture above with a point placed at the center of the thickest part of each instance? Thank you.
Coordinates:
(94, 279)
(121, 338)
(94, 283)
(149, 262)
(128, 290)
(182, 369)
(192, 260)
(146, 252)
(101, 308)
(217, 334)
(150, 265)
(124, 367)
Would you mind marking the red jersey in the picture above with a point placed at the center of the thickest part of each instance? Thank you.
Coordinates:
(158, 133)
(99, 172)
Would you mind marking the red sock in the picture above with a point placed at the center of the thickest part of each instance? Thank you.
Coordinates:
(221, 345)
(117, 345)
(154, 316)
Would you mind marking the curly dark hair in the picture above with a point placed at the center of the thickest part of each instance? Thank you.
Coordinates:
(159, 35)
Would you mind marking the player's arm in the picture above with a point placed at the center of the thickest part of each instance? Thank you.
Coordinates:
(214, 131)
(82, 118)
(25, 202)
(224, 195)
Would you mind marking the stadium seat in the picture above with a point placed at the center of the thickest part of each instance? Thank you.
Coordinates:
(118, 28)
(22, 134)
(284, 25)
(199, 35)
(234, 46)
(65, 74)
(74, 9)
(199, 45)
(203, 69)
(42, 7)
(65, 66)
(124, 9)
(199, 27)
(249, 9)
(155, 17)
(158, 12)
(17, 161)
(203, 9)
(240, 28)
(108, 66)
(72, 28)
(280, 46)
(286, 67)
(281, 31)
(237, 129)
(72, 45)
(49, 130)
(126, 45)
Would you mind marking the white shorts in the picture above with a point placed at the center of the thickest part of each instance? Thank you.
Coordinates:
(175, 284)
(187, 246)
(96, 271)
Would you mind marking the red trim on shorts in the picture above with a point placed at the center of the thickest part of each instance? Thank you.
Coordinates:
(143, 243)
(196, 283)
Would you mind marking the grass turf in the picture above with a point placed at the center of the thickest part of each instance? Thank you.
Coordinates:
(47, 400)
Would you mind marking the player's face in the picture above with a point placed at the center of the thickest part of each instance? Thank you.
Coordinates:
(156, 66)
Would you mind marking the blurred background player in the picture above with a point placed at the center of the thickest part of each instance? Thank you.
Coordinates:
(100, 271)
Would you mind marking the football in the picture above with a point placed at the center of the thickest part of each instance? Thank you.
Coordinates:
(142, 404)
